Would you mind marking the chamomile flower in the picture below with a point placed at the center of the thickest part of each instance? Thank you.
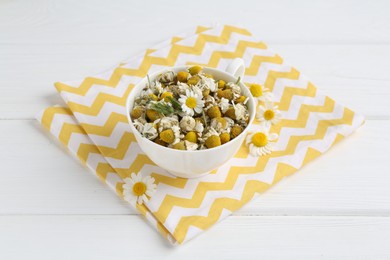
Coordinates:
(191, 103)
(240, 111)
(177, 134)
(268, 114)
(261, 93)
(166, 122)
(224, 104)
(149, 131)
(261, 142)
(208, 83)
(138, 189)
(187, 123)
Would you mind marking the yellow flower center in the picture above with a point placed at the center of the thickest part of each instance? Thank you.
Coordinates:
(139, 188)
(191, 102)
(269, 115)
(259, 139)
(256, 90)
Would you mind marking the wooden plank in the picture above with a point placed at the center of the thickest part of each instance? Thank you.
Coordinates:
(40, 178)
(127, 237)
(352, 74)
(73, 22)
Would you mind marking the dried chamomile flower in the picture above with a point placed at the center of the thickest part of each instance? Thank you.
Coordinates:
(208, 83)
(183, 76)
(221, 84)
(166, 77)
(152, 115)
(225, 137)
(137, 112)
(224, 104)
(219, 124)
(190, 145)
(166, 123)
(193, 80)
(236, 90)
(195, 69)
(213, 141)
(236, 130)
(187, 123)
(192, 137)
(240, 111)
(214, 112)
(149, 131)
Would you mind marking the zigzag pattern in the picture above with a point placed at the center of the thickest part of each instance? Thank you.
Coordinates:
(313, 123)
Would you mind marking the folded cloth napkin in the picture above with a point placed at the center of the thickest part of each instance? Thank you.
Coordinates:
(94, 127)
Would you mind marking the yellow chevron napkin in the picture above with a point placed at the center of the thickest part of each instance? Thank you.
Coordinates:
(94, 128)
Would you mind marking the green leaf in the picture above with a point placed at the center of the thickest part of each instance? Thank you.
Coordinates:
(175, 103)
(162, 108)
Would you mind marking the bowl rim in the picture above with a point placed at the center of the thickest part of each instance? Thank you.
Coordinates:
(185, 67)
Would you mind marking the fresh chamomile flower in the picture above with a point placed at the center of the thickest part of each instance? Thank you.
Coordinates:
(137, 189)
(187, 123)
(260, 93)
(191, 102)
(261, 142)
(149, 131)
(268, 114)
(224, 104)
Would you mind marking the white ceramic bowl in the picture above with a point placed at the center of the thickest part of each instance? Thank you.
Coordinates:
(192, 164)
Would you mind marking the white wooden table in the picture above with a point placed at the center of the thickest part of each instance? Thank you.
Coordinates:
(53, 208)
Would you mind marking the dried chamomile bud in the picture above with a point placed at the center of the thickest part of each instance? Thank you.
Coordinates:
(214, 112)
(221, 84)
(166, 95)
(225, 137)
(230, 113)
(241, 99)
(192, 137)
(167, 77)
(152, 114)
(213, 141)
(136, 112)
(160, 142)
(179, 146)
(182, 76)
(195, 69)
(206, 92)
(227, 93)
(167, 136)
(193, 80)
(236, 130)
(153, 97)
